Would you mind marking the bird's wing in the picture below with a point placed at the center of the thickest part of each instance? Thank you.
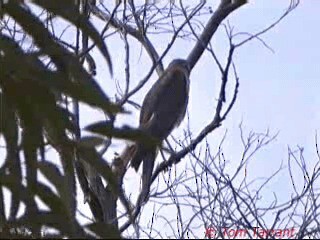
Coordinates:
(152, 99)
(170, 89)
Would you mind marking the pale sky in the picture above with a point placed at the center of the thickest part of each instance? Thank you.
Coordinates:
(278, 90)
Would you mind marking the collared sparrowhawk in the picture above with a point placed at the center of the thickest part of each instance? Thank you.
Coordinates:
(162, 110)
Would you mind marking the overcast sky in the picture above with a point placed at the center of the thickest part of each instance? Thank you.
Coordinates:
(278, 89)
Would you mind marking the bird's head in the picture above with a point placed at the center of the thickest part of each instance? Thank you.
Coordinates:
(181, 63)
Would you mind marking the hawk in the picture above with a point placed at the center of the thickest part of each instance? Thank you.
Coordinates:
(162, 110)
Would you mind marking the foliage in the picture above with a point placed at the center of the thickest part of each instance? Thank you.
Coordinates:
(44, 79)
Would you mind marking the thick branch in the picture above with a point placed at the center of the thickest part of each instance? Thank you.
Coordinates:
(225, 8)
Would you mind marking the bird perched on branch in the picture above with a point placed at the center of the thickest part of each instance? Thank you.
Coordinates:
(162, 110)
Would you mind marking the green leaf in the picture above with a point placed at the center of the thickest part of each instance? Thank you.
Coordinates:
(69, 67)
(9, 129)
(56, 221)
(16, 188)
(53, 201)
(107, 129)
(91, 141)
(91, 157)
(52, 172)
(68, 10)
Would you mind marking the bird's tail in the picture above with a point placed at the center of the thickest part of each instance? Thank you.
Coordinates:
(148, 164)
(139, 151)
(146, 155)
